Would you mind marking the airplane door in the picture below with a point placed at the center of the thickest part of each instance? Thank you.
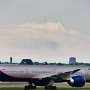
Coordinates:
(86, 72)
(54, 71)
(26, 72)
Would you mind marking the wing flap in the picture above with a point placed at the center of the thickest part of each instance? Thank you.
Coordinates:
(64, 76)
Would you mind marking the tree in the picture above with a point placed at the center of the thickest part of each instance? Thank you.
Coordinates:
(45, 63)
(36, 63)
(26, 62)
(60, 64)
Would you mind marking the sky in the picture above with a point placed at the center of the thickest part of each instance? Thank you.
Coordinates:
(45, 30)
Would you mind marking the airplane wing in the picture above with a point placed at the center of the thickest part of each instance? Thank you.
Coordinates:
(64, 76)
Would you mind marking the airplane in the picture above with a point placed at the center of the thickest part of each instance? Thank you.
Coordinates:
(45, 75)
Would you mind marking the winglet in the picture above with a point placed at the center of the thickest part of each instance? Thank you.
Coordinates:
(76, 70)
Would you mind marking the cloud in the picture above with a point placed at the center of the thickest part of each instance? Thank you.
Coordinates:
(45, 26)
(73, 32)
(39, 42)
(37, 36)
(49, 26)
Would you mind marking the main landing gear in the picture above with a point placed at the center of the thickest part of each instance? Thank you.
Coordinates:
(29, 87)
(34, 87)
(51, 87)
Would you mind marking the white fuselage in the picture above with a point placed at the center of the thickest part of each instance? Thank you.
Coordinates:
(36, 72)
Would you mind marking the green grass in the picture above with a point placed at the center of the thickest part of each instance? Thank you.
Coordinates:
(60, 88)
(10, 88)
(73, 88)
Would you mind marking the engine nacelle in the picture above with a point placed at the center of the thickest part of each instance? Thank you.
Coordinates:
(77, 81)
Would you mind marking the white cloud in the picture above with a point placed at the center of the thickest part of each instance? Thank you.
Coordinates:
(73, 32)
(45, 26)
(49, 26)
(40, 42)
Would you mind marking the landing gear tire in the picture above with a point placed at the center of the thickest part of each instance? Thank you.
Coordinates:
(50, 87)
(29, 87)
(54, 87)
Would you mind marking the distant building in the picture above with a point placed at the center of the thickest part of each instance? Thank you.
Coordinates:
(10, 60)
(72, 60)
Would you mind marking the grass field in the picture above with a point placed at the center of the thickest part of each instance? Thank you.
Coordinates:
(59, 88)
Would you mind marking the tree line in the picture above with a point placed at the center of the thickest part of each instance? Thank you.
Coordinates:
(30, 62)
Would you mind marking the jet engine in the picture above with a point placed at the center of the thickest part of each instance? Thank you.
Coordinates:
(77, 81)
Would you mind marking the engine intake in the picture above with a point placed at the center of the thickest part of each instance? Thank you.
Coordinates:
(77, 81)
